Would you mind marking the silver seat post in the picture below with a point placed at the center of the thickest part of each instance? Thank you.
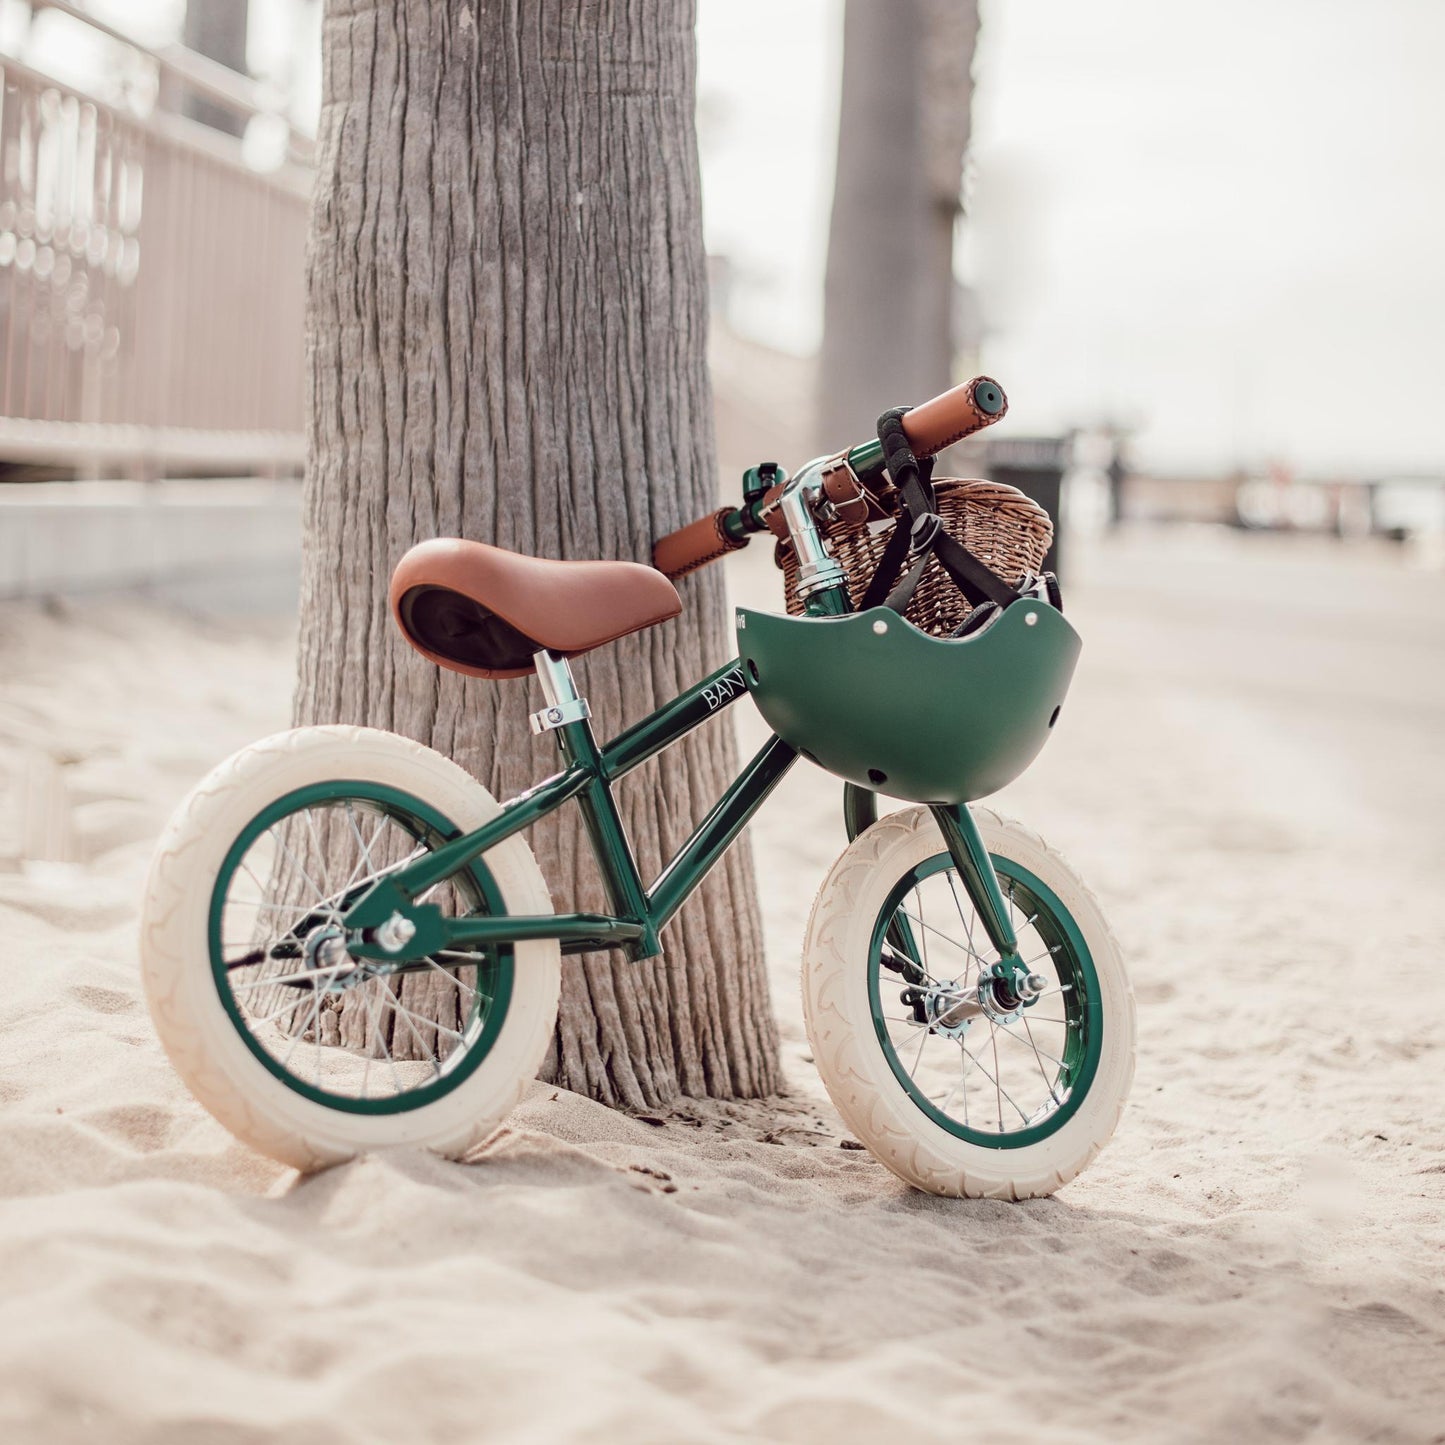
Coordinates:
(564, 704)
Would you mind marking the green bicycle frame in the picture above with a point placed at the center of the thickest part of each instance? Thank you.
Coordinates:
(638, 913)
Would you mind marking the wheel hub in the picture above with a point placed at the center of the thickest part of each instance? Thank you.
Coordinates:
(325, 949)
(950, 1010)
(1004, 992)
(1000, 994)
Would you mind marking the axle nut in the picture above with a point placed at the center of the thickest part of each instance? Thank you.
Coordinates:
(396, 933)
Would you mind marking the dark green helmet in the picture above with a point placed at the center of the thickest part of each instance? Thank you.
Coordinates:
(934, 720)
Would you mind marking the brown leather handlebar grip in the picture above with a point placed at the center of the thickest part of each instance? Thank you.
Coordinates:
(954, 415)
(695, 545)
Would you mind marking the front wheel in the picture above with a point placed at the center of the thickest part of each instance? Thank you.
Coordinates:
(302, 1050)
(957, 1087)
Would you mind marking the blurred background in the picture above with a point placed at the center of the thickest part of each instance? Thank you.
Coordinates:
(1200, 247)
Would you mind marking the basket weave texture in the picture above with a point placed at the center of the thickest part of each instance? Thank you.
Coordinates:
(998, 524)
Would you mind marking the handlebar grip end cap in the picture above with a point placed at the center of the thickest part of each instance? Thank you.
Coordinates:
(988, 396)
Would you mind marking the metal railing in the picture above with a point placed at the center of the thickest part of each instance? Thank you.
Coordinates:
(151, 284)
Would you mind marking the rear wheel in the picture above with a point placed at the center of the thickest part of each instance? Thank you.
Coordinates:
(302, 1050)
(955, 1082)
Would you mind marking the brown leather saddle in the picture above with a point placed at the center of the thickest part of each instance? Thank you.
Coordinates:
(487, 612)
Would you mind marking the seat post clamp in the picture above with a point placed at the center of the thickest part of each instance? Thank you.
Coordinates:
(564, 703)
(560, 714)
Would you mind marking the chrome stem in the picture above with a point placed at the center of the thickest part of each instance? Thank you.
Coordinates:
(816, 568)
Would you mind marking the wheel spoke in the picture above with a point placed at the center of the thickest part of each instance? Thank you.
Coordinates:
(321, 899)
(289, 1006)
(1039, 957)
(939, 932)
(428, 1054)
(301, 1032)
(325, 866)
(958, 1083)
(430, 1023)
(306, 975)
(329, 903)
(1039, 1056)
(1031, 1044)
(390, 1061)
(918, 1058)
(993, 1039)
(370, 1045)
(287, 908)
(923, 941)
(447, 974)
(999, 1088)
(364, 861)
(966, 918)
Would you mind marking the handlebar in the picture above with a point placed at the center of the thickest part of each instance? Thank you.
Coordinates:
(930, 428)
(954, 415)
(697, 544)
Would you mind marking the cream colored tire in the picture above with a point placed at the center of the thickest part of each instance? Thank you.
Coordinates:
(199, 1035)
(851, 1058)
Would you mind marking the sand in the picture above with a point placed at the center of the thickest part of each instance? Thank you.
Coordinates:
(1248, 772)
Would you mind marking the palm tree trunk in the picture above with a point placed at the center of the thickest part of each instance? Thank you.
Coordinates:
(903, 128)
(506, 341)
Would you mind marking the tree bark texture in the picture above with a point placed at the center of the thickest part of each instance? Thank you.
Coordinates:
(507, 342)
(888, 319)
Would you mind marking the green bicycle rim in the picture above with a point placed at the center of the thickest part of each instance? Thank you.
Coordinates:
(1083, 1010)
(494, 977)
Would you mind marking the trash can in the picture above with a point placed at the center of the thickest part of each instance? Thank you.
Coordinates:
(1035, 465)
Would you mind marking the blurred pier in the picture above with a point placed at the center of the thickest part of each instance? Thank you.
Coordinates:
(151, 309)
(150, 277)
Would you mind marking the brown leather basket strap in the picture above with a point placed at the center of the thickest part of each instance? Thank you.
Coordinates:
(954, 415)
(841, 489)
(695, 545)
(772, 514)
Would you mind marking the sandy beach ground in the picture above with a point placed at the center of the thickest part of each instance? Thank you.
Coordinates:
(1249, 772)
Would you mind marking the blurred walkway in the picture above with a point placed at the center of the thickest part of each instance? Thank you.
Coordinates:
(219, 546)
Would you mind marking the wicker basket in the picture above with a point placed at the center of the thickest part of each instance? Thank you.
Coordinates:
(998, 524)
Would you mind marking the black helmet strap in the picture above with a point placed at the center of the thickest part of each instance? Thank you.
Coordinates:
(920, 533)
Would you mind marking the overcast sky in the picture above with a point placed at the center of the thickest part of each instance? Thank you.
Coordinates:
(1222, 223)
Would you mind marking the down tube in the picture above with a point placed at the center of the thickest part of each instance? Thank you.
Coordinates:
(729, 816)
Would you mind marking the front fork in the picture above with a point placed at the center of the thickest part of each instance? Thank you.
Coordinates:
(975, 867)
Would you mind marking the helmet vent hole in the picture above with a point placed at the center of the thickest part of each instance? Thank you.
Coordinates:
(1054, 716)
(877, 777)
(753, 671)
